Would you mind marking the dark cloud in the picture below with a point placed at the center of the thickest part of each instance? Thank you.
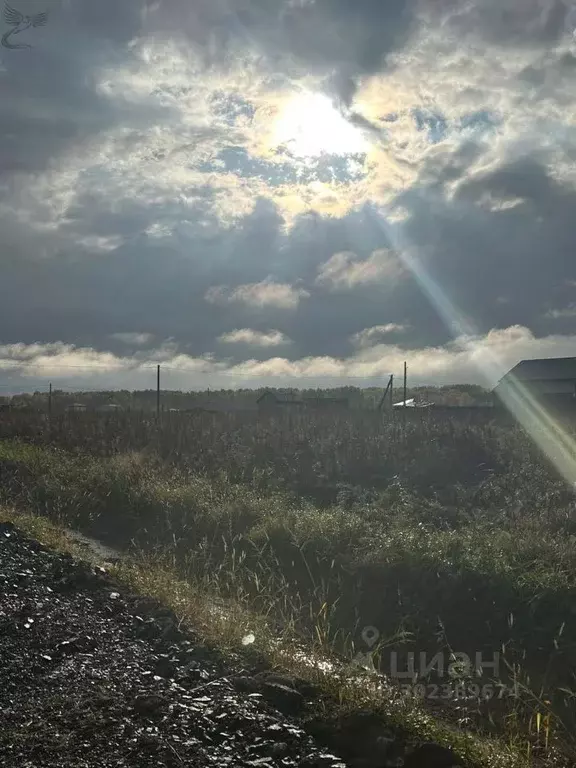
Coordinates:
(160, 289)
(340, 40)
(501, 250)
(109, 249)
(49, 102)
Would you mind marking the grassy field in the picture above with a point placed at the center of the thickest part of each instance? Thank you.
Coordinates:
(447, 536)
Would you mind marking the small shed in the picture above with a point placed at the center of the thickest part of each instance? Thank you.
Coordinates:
(76, 408)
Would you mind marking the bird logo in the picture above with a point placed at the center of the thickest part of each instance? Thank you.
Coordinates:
(19, 22)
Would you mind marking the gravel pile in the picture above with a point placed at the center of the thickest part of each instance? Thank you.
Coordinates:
(90, 676)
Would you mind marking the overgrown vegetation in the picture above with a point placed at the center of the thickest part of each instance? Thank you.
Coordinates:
(330, 457)
(445, 535)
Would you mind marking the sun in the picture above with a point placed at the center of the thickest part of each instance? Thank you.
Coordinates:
(309, 125)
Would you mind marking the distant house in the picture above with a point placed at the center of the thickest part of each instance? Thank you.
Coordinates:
(412, 403)
(279, 400)
(110, 408)
(550, 379)
(76, 408)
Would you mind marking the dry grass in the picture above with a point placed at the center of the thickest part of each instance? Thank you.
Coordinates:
(443, 535)
(225, 624)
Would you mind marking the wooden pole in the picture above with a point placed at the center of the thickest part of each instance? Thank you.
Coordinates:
(388, 387)
(158, 392)
(405, 382)
(391, 391)
(50, 400)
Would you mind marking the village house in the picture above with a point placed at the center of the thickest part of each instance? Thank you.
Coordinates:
(552, 380)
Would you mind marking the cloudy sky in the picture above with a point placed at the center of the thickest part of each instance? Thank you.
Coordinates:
(305, 192)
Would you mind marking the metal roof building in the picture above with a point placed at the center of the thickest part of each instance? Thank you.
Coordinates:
(548, 377)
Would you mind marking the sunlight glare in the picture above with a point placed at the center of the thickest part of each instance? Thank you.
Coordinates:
(310, 126)
(549, 434)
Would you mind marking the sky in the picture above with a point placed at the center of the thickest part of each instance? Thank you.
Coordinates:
(286, 192)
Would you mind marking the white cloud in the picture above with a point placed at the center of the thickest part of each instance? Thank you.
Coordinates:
(95, 243)
(564, 312)
(52, 359)
(480, 359)
(267, 293)
(254, 338)
(345, 270)
(369, 336)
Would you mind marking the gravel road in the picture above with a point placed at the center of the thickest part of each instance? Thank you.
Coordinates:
(91, 676)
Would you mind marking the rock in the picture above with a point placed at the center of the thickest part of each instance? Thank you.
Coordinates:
(165, 667)
(321, 761)
(361, 738)
(246, 684)
(148, 629)
(287, 700)
(304, 687)
(149, 704)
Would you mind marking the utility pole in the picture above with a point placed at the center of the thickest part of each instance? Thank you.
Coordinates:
(50, 400)
(389, 387)
(405, 382)
(158, 392)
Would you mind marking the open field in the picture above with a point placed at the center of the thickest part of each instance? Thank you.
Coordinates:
(446, 536)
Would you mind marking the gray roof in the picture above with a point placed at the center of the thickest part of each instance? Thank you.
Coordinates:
(548, 369)
(281, 397)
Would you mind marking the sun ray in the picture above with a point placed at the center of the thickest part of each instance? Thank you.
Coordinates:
(544, 429)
